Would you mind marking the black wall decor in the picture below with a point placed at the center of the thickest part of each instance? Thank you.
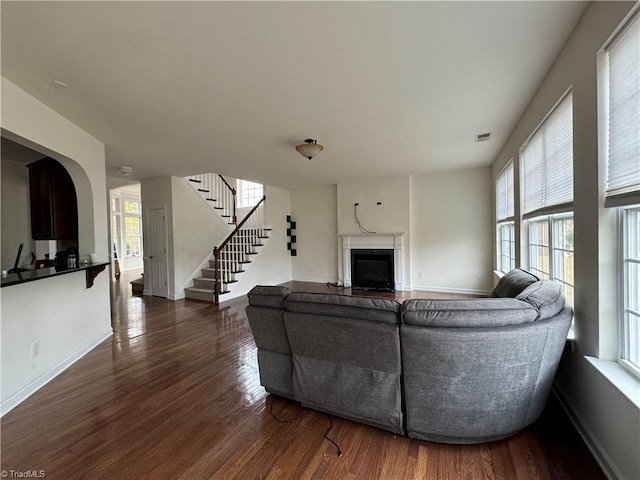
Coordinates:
(291, 233)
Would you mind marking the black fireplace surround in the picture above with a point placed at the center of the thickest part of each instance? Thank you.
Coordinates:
(372, 269)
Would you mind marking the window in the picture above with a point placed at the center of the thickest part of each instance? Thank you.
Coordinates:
(547, 197)
(622, 99)
(249, 193)
(132, 228)
(551, 250)
(115, 225)
(630, 351)
(506, 241)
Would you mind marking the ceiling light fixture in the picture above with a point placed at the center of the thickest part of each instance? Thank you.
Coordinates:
(310, 148)
(126, 171)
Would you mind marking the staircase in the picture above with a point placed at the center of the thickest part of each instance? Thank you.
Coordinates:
(219, 195)
(233, 255)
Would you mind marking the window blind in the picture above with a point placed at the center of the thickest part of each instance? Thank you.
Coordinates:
(623, 148)
(547, 164)
(504, 194)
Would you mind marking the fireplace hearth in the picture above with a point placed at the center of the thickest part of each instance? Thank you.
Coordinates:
(372, 269)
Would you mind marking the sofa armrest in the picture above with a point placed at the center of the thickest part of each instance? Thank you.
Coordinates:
(268, 296)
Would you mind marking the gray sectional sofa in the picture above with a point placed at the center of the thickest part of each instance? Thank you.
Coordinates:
(451, 371)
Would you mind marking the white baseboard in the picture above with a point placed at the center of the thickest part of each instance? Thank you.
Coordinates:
(31, 388)
(313, 279)
(470, 291)
(591, 441)
(177, 296)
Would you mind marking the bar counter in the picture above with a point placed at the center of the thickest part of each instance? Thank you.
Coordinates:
(91, 269)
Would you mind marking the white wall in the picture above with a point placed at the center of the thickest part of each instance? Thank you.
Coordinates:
(65, 317)
(16, 212)
(392, 216)
(272, 265)
(451, 231)
(29, 122)
(608, 419)
(60, 313)
(447, 217)
(314, 211)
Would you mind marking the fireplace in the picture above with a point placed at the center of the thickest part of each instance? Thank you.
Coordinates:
(392, 242)
(372, 269)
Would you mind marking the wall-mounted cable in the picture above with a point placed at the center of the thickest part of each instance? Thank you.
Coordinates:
(355, 214)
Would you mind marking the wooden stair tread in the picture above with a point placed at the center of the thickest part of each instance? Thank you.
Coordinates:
(199, 289)
(203, 190)
(195, 181)
(211, 200)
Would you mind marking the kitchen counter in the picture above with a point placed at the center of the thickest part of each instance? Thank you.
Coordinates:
(92, 270)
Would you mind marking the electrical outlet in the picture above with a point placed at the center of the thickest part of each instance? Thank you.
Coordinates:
(35, 349)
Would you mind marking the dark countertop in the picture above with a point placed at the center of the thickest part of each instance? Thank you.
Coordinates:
(32, 275)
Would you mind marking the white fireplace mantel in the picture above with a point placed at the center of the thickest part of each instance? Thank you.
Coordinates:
(370, 241)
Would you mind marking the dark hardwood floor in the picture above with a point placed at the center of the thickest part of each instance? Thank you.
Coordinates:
(175, 394)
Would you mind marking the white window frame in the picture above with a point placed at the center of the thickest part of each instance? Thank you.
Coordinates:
(124, 216)
(549, 201)
(249, 193)
(506, 242)
(622, 185)
(630, 290)
(555, 249)
(505, 225)
(116, 223)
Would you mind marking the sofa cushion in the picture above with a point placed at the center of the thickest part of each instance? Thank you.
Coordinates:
(335, 305)
(512, 283)
(268, 296)
(545, 296)
(482, 312)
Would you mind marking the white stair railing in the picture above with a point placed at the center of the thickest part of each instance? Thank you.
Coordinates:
(234, 251)
(217, 192)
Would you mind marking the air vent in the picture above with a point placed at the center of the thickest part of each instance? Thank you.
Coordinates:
(483, 137)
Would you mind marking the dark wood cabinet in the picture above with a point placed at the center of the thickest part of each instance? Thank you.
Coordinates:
(54, 204)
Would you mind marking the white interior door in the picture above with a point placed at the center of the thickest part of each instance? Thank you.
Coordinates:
(156, 271)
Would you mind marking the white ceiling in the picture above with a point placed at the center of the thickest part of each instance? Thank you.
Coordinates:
(389, 88)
